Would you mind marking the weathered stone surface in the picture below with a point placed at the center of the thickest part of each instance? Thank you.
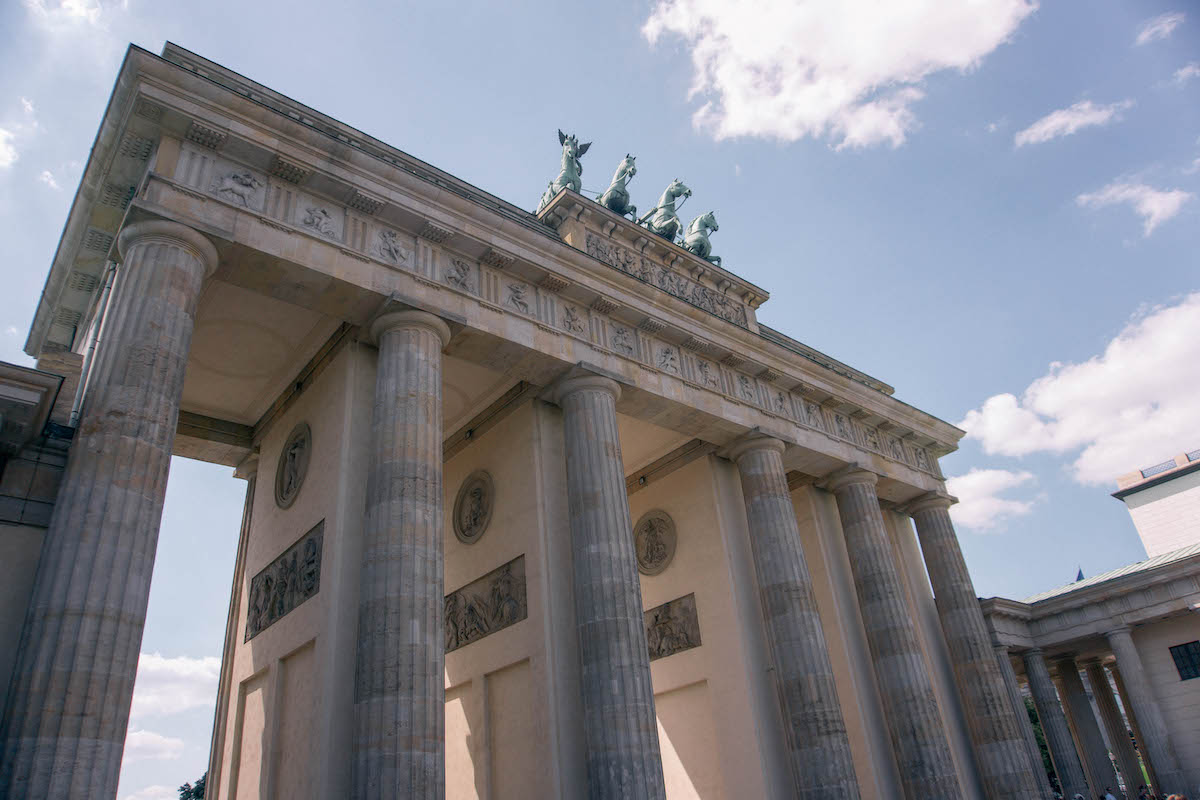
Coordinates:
(1151, 726)
(618, 699)
(1096, 765)
(286, 582)
(914, 721)
(486, 605)
(822, 764)
(1018, 703)
(399, 695)
(1115, 729)
(1054, 725)
(1004, 763)
(74, 679)
(672, 627)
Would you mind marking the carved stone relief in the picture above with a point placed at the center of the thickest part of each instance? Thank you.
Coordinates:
(667, 359)
(654, 541)
(286, 582)
(459, 274)
(518, 297)
(473, 506)
(812, 414)
(922, 459)
(896, 449)
(669, 281)
(779, 403)
(672, 627)
(240, 187)
(871, 438)
(572, 320)
(708, 373)
(745, 388)
(387, 247)
(293, 465)
(319, 219)
(842, 427)
(486, 605)
(621, 340)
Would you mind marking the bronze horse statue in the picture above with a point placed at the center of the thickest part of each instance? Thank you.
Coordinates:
(616, 197)
(570, 170)
(662, 219)
(696, 239)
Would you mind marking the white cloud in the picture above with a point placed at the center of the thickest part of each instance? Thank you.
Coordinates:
(170, 685)
(8, 151)
(27, 105)
(1159, 27)
(1065, 121)
(846, 70)
(1154, 206)
(11, 330)
(150, 746)
(47, 177)
(69, 11)
(1187, 72)
(1130, 406)
(155, 792)
(980, 505)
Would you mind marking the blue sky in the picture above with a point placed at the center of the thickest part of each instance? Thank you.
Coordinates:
(990, 206)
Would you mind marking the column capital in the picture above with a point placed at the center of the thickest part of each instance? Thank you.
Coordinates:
(584, 382)
(848, 476)
(752, 442)
(927, 501)
(173, 233)
(248, 468)
(412, 318)
(1121, 630)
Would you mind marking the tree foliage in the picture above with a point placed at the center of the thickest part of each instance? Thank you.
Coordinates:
(193, 792)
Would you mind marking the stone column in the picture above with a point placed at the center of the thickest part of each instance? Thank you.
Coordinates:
(73, 683)
(399, 689)
(1054, 725)
(1000, 750)
(1147, 762)
(918, 735)
(618, 699)
(1153, 727)
(1096, 764)
(1018, 704)
(822, 764)
(1114, 726)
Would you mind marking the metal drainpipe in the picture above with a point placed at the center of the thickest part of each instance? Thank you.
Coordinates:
(85, 373)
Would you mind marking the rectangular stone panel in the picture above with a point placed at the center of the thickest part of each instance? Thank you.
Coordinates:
(672, 627)
(285, 583)
(486, 605)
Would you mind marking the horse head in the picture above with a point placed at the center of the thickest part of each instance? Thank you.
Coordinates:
(572, 149)
(678, 189)
(627, 167)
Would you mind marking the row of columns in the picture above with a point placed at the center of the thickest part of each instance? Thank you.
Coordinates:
(1078, 748)
(75, 674)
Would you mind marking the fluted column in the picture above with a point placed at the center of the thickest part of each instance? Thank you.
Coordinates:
(822, 764)
(1096, 765)
(618, 699)
(1147, 762)
(1114, 726)
(1054, 725)
(399, 689)
(73, 683)
(1004, 764)
(918, 734)
(1018, 704)
(1152, 726)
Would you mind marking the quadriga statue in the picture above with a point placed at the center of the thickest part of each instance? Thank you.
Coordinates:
(696, 238)
(662, 219)
(569, 171)
(616, 197)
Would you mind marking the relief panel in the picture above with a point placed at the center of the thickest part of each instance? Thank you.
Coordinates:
(486, 605)
(672, 627)
(285, 583)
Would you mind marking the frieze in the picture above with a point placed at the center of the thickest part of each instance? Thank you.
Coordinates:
(672, 627)
(669, 281)
(285, 583)
(486, 605)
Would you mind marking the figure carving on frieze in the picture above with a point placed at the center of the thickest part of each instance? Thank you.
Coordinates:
(569, 171)
(616, 197)
(663, 219)
(696, 239)
(239, 187)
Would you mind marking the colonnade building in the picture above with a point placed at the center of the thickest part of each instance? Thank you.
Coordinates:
(535, 506)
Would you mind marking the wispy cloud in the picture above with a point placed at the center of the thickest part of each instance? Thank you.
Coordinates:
(1187, 72)
(8, 148)
(1154, 206)
(1066, 121)
(849, 71)
(1119, 410)
(980, 505)
(47, 177)
(170, 685)
(142, 745)
(1159, 27)
(27, 105)
(155, 792)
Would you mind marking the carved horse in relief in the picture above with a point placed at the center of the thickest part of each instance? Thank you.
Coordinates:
(569, 171)
(616, 197)
(696, 238)
(662, 219)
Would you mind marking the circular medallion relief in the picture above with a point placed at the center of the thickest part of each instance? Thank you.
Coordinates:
(293, 465)
(654, 540)
(473, 506)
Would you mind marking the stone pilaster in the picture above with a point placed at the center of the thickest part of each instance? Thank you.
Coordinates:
(1096, 764)
(618, 699)
(918, 734)
(399, 690)
(822, 764)
(1054, 725)
(1114, 726)
(73, 683)
(1153, 728)
(1000, 751)
(1018, 704)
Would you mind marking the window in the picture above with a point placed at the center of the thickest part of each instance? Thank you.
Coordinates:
(1187, 660)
